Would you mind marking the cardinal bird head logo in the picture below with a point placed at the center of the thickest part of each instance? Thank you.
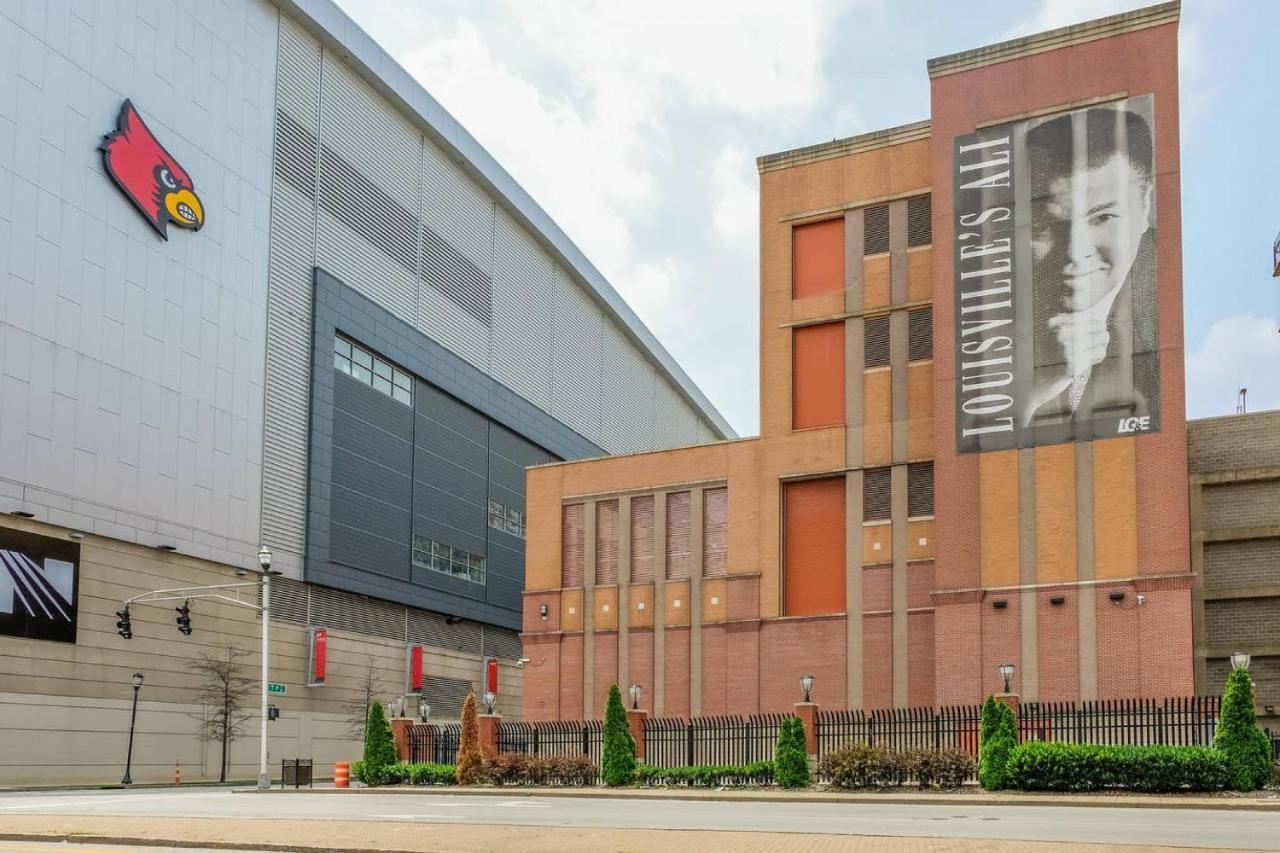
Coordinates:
(150, 177)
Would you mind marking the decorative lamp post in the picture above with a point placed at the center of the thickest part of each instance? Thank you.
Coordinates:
(489, 699)
(806, 684)
(1240, 660)
(424, 711)
(635, 691)
(264, 560)
(1006, 673)
(136, 681)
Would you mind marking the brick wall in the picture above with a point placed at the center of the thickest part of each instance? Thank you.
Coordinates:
(1058, 644)
(1241, 504)
(676, 672)
(794, 647)
(877, 661)
(1265, 672)
(1118, 659)
(1243, 621)
(1251, 562)
(1234, 442)
(571, 677)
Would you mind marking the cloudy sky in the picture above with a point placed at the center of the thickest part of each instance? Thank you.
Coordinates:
(636, 126)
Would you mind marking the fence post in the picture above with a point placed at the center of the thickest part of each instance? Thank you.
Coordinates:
(490, 735)
(636, 718)
(400, 727)
(586, 739)
(808, 714)
(689, 740)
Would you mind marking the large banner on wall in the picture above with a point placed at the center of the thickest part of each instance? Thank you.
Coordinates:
(38, 578)
(1055, 277)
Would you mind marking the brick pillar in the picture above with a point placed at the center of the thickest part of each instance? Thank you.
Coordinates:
(400, 731)
(1009, 699)
(808, 714)
(635, 722)
(490, 742)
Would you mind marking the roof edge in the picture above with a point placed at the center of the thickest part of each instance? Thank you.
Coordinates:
(842, 147)
(1125, 22)
(337, 31)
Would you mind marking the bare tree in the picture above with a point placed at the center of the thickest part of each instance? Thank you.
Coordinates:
(371, 688)
(225, 693)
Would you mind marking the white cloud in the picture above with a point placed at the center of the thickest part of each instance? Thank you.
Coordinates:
(1061, 13)
(1237, 352)
(736, 212)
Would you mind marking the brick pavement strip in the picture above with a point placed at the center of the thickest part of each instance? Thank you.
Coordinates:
(396, 837)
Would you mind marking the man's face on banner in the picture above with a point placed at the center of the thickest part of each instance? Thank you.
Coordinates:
(1086, 229)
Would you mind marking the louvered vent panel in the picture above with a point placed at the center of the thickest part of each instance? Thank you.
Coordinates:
(574, 546)
(288, 357)
(576, 368)
(432, 629)
(919, 221)
(457, 258)
(289, 600)
(674, 424)
(628, 391)
(715, 540)
(369, 182)
(875, 229)
(920, 489)
(920, 334)
(445, 695)
(642, 533)
(876, 341)
(501, 643)
(877, 489)
(607, 542)
(678, 535)
(346, 611)
(523, 317)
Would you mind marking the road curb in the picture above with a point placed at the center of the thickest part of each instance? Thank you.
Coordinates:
(1065, 801)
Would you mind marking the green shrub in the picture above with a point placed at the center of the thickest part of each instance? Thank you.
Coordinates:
(791, 761)
(997, 737)
(1246, 746)
(939, 768)
(706, 775)
(618, 758)
(469, 763)
(1273, 781)
(1037, 766)
(374, 775)
(431, 774)
(379, 746)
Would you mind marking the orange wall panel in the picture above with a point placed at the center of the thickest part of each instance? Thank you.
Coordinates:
(817, 258)
(875, 281)
(715, 604)
(1115, 509)
(543, 528)
(640, 600)
(920, 410)
(819, 375)
(877, 417)
(920, 274)
(606, 606)
(877, 542)
(998, 493)
(815, 539)
(677, 604)
(571, 610)
(920, 539)
(1056, 513)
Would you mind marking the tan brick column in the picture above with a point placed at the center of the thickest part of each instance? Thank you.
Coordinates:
(635, 723)
(898, 497)
(659, 601)
(1028, 600)
(695, 602)
(808, 714)
(624, 591)
(1087, 610)
(589, 611)
(490, 735)
(400, 727)
(853, 588)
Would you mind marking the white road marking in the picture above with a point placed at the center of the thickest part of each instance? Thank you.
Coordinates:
(417, 816)
(59, 802)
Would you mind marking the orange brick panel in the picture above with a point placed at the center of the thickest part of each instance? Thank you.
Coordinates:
(742, 679)
(1058, 642)
(818, 257)
(640, 600)
(920, 539)
(877, 417)
(540, 687)
(998, 488)
(920, 581)
(715, 600)
(877, 542)
(1165, 635)
(819, 375)
(571, 610)
(715, 665)
(920, 410)
(815, 538)
(1119, 650)
(677, 595)
(877, 588)
(1115, 509)
(640, 665)
(570, 677)
(919, 274)
(958, 651)
(1001, 642)
(790, 648)
(920, 675)
(744, 597)
(675, 676)
(877, 661)
(605, 670)
(533, 621)
(875, 281)
(606, 618)
(1056, 513)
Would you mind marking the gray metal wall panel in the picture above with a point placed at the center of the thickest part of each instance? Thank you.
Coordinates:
(523, 313)
(628, 396)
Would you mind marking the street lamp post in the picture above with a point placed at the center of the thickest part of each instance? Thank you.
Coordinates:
(634, 690)
(806, 685)
(264, 559)
(1240, 660)
(128, 761)
(1006, 673)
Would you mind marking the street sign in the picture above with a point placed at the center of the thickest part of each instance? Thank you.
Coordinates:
(276, 688)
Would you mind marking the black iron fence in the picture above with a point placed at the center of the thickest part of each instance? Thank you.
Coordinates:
(683, 742)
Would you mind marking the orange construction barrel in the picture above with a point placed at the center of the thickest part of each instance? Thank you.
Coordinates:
(342, 774)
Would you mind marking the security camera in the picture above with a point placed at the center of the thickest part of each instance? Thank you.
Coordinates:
(520, 662)
(1142, 599)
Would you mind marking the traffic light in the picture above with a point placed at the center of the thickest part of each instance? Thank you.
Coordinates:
(124, 626)
(184, 618)
(273, 712)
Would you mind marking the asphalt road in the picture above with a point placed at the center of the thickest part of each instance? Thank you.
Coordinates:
(1174, 827)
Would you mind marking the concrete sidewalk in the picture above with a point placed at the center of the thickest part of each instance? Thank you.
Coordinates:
(315, 836)
(974, 796)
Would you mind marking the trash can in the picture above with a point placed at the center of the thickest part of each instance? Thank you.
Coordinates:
(295, 772)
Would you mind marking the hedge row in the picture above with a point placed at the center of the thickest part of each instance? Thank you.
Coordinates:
(706, 775)
(860, 766)
(1037, 766)
(507, 768)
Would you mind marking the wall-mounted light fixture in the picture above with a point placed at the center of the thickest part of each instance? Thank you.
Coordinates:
(543, 610)
(1000, 603)
(1116, 596)
(1058, 599)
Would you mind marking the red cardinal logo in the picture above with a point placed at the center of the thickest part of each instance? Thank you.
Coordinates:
(148, 174)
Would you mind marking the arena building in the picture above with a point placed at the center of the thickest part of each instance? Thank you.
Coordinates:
(259, 288)
(973, 447)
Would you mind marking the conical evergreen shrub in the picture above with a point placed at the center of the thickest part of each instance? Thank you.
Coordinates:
(791, 761)
(618, 763)
(1246, 746)
(997, 737)
(469, 764)
(379, 743)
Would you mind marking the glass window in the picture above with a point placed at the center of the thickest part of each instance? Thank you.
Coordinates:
(381, 368)
(362, 358)
(383, 385)
(341, 362)
(359, 371)
(402, 380)
(342, 347)
(402, 395)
